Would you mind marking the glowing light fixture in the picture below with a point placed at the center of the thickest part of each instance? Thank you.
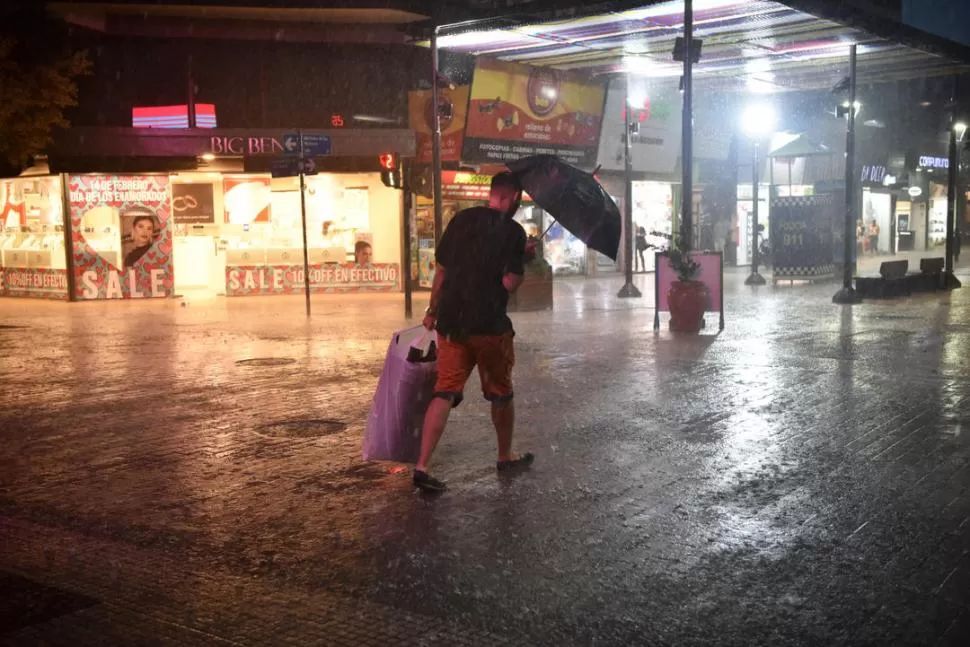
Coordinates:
(759, 120)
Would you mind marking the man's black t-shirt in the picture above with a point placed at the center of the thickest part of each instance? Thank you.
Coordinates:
(477, 249)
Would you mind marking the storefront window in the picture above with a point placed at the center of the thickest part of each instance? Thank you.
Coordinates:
(353, 234)
(937, 215)
(653, 209)
(745, 219)
(423, 235)
(33, 257)
(563, 251)
(877, 223)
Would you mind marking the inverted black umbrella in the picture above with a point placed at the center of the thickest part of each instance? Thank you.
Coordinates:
(574, 198)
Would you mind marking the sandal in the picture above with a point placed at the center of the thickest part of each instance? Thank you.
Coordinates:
(428, 483)
(524, 461)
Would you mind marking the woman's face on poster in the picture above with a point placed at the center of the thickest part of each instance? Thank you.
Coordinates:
(142, 232)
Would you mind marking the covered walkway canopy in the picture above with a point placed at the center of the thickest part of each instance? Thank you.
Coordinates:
(749, 45)
(753, 47)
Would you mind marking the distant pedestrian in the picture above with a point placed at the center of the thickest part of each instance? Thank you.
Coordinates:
(641, 248)
(873, 238)
(480, 261)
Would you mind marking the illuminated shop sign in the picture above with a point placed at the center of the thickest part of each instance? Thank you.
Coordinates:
(873, 174)
(929, 161)
(173, 116)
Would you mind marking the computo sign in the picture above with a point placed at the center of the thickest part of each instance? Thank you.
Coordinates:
(927, 161)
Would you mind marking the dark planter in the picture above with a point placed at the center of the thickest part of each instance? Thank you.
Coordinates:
(687, 301)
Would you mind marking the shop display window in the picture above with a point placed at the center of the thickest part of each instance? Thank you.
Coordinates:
(653, 209)
(33, 256)
(744, 223)
(352, 232)
(32, 227)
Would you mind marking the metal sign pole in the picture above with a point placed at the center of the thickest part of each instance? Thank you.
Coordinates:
(408, 209)
(306, 253)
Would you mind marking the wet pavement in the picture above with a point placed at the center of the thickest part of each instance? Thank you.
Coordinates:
(800, 478)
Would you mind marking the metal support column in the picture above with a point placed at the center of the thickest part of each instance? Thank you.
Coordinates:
(628, 290)
(435, 138)
(847, 295)
(951, 281)
(754, 278)
(687, 132)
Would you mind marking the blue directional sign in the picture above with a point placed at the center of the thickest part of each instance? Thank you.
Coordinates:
(313, 145)
(290, 167)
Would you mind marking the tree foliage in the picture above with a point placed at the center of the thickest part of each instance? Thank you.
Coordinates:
(38, 83)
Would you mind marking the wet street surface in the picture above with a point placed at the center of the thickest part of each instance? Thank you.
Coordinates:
(191, 474)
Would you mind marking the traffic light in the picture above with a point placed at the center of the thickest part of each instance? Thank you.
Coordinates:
(391, 170)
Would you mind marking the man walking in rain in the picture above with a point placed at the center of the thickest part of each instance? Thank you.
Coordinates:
(480, 261)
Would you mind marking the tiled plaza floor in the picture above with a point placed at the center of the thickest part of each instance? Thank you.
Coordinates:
(801, 478)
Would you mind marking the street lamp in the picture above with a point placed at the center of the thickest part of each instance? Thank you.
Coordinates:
(757, 122)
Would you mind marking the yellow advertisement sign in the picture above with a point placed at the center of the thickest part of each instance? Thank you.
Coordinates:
(454, 106)
(518, 110)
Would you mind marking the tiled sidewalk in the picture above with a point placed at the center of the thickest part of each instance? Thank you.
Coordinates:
(801, 478)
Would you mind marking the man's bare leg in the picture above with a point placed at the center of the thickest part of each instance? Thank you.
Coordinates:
(434, 425)
(503, 417)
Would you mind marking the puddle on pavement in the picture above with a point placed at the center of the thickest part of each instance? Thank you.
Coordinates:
(266, 361)
(302, 428)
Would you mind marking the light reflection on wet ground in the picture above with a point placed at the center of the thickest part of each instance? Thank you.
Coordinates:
(799, 477)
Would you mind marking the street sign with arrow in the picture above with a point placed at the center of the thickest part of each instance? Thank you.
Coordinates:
(300, 149)
(313, 145)
(292, 166)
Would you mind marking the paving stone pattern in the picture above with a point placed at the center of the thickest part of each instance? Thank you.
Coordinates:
(799, 479)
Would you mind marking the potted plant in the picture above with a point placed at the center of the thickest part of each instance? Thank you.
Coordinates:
(687, 297)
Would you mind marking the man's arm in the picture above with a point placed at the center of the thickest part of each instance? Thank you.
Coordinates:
(515, 262)
(512, 282)
(431, 314)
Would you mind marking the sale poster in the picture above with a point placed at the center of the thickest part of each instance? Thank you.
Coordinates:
(517, 110)
(121, 236)
(261, 280)
(34, 282)
(453, 107)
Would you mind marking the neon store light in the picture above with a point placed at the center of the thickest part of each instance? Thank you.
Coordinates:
(173, 116)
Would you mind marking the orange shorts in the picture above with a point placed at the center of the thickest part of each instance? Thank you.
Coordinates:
(494, 356)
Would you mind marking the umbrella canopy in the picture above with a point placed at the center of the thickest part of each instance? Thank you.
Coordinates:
(574, 198)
